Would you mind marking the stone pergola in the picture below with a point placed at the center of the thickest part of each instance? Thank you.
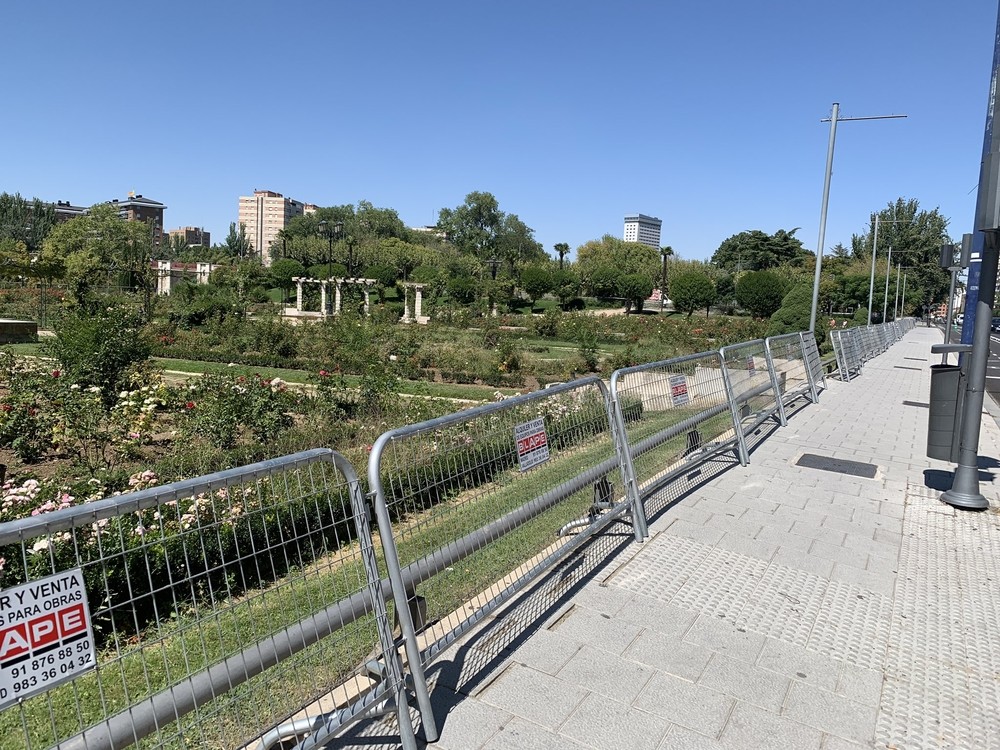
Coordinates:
(414, 314)
(324, 291)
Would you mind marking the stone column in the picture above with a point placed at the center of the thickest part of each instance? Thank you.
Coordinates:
(418, 304)
(367, 298)
(323, 304)
(163, 277)
(298, 294)
(407, 318)
(337, 300)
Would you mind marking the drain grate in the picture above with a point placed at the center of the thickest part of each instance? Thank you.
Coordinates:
(900, 367)
(916, 403)
(838, 465)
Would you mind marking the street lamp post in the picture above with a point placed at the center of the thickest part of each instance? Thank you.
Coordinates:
(833, 120)
(888, 268)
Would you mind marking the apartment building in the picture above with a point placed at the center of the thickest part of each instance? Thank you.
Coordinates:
(643, 229)
(145, 210)
(264, 214)
(192, 236)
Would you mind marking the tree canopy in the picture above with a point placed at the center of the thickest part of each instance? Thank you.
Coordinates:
(692, 290)
(478, 227)
(755, 250)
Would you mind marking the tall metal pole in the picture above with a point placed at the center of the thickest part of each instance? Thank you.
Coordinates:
(895, 303)
(964, 492)
(902, 305)
(888, 275)
(822, 215)
(834, 119)
(871, 282)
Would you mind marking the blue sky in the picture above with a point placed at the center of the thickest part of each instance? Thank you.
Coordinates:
(705, 114)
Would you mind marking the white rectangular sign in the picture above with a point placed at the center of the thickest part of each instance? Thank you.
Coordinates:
(678, 390)
(532, 443)
(45, 635)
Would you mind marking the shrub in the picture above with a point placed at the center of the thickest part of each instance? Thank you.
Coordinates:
(97, 349)
(794, 313)
(760, 293)
(692, 290)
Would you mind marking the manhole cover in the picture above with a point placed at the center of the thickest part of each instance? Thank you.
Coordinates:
(839, 465)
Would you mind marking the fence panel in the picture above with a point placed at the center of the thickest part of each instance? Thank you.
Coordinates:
(473, 506)
(685, 417)
(814, 363)
(787, 358)
(753, 388)
(218, 607)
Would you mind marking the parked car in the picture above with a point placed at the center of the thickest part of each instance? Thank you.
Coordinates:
(995, 324)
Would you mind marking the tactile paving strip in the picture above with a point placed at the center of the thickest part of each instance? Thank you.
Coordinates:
(942, 683)
(840, 620)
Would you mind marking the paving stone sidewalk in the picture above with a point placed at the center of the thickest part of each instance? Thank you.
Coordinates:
(774, 606)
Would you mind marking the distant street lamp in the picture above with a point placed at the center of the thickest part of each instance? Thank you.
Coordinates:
(888, 268)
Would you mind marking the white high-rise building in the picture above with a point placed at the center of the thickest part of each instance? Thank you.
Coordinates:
(264, 214)
(643, 229)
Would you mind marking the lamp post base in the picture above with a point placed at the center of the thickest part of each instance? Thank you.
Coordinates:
(964, 500)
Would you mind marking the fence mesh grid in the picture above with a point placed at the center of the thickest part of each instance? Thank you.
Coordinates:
(445, 483)
(682, 409)
(185, 582)
(789, 362)
(750, 380)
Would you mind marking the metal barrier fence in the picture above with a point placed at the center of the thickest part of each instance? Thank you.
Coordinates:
(788, 359)
(753, 388)
(855, 346)
(475, 505)
(246, 608)
(191, 615)
(814, 363)
(686, 416)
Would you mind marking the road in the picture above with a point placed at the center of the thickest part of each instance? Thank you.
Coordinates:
(993, 367)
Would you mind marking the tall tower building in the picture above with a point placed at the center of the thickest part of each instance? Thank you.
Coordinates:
(643, 229)
(264, 214)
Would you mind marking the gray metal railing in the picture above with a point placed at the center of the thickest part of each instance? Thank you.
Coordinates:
(854, 347)
(217, 605)
(687, 416)
(473, 498)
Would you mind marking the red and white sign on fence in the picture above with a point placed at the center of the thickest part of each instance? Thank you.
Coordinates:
(45, 635)
(532, 443)
(678, 390)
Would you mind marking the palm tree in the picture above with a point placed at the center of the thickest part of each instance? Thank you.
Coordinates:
(665, 252)
(563, 249)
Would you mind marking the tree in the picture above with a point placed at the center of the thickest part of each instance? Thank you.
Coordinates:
(478, 227)
(794, 313)
(566, 286)
(282, 271)
(100, 247)
(692, 290)
(536, 281)
(601, 263)
(915, 237)
(635, 288)
(563, 249)
(25, 221)
(760, 293)
(474, 226)
(237, 243)
(755, 250)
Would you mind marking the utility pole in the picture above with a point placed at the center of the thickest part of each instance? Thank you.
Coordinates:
(964, 492)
